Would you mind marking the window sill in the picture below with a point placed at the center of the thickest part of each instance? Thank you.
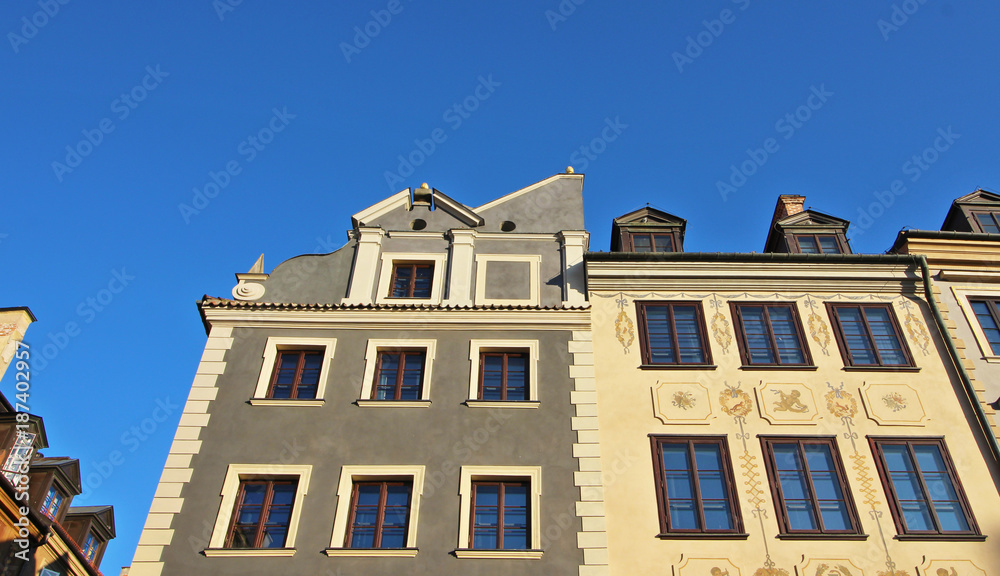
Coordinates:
(257, 552)
(818, 536)
(881, 369)
(992, 359)
(782, 367)
(372, 552)
(677, 367)
(393, 403)
(502, 403)
(499, 554)
(940, 537)
(285, 402)
(703, 536)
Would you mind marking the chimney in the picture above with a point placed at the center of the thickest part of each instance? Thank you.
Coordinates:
(788, 204)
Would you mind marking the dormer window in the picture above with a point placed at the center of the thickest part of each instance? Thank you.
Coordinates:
(978, 212)
(648, 230)
(650, 242)
(795, 230)
(989, 222)
(818, 244)
(90, 546)
(50, 506)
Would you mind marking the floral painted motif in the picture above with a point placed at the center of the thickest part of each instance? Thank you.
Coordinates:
(720, 326)
(895, 401)
(915, 328)
(838, 570)
(6, 329)
(683, 400)
(894, 573)
(771, 572)
(818, 329)
(624, 327)
(840, 403)
(735, 402)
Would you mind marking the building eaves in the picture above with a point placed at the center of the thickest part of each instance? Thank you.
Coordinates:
(213, 302)
(941, 235)
(750, 257)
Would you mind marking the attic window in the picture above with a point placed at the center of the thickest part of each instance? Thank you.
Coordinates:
(507, 226)
(989, 222)
(650, 242)
(418, 224)
(818, 244)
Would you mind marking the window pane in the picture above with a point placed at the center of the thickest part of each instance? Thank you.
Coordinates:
(987, 223)
(859, 347)
(688, 334)
(757, 339)
(641, 243)
(828, 245)
(660, 338)
(785, 335)
(916, 516)
(663, 243)
(807, 245)
(422, 282)
(988, 324)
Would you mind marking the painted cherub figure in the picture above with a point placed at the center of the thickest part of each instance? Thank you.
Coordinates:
(790, 402)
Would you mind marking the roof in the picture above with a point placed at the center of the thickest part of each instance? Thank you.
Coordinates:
(806, 218)
(751, 257)
(904, 235)
(22, 309)
(213, 302)
(955, 219)
(105, 515)
(68, 467)
(645, 216)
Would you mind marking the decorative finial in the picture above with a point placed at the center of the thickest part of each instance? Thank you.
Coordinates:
(258, 266)
(569, 169)
(424, 186)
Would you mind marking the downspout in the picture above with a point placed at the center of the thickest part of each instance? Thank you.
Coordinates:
(991, 439)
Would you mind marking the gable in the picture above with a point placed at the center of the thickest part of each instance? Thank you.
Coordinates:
(650, 216)
(545, 207)
(403, 211)
(960, 215)
(812, 218)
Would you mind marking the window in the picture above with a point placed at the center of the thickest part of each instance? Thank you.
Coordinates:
(89, 547)
(50, 505)
(695, 487)
(811, 494)
(988, 222)
(925, 495)
(294, 371)
(770, 335)
(262, 514)
(651, 242)
(673, 333)
(869, 335)
(377, 511)
(296, 375)
(818, 244)
(499, 516)
(988, 315)
(503, 376)
(411, 279)
(260, 510)
(399, 375)
(380, 513)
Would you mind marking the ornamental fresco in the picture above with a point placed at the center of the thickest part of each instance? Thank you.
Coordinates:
(681, 403)
(893, 404)
(706, 567)
(787, 403)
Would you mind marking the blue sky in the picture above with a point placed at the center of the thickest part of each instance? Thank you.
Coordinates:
(682, 105)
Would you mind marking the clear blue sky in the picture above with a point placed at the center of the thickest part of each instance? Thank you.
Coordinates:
(548, 84)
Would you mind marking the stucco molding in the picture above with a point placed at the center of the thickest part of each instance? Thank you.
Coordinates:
(276, 344)
(470, 473)
(385, 277)
(534, 262)
(350, 474)
(478, 346)
(371, 359)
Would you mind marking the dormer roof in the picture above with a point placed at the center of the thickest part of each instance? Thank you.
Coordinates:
(791, 218)
(646, 219)
(102, 519)
(959, 218)
(67, 472)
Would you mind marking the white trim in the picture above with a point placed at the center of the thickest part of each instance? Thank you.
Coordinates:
(525, 190)
(372, 552)
(415, 234)
(348, 475)
(470, 473)
(385, 276)
(499, 554)
(363, 269)
(231, 488)
(393, 403)
(502, 404)
(241, 552)
(401, 198)
(403, 319)
(962, 295)
(285, 402)
(475, 346)
(271, 348)
(371, 359)
(534, 273)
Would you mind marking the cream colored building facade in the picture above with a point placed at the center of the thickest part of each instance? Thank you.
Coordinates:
(714, 401)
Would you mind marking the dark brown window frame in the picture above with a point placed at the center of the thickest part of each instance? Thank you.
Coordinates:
(993, 307)
(974, 216)
(503, 483)
(785, 531)
(524, 353)
(299, 367)
(842, 246)
(413, 265)
(644, 334)
(629, 237)
(43, 509)
(264, 509)
(662, 499)
(379, 522)
(741, 337)
(890, 491)
(845, 354)
(403, 352)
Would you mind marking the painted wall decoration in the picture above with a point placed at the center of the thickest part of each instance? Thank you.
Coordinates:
(720, 326)
(893, 404)
(818, 330)
(7, 329)
(829, 567)
(787, 403)
(915, 328)
(951, 568)
(624, 327)
(681, 403)
(706, 567)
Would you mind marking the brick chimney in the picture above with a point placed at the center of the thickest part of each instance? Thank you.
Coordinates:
(788, 204)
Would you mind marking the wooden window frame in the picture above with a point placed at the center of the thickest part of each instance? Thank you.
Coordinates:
(995, 215)
(630, 240)
(413, 265)
(741, 336)
(662, 498)
(875, 442)
(383, 491)
(845, 353)
(265, 509)
(502, 483)
(46, 503)
(785, 531)
(525, 354)
(91, 550)
(994, 310)
(841, 245)
(644, 347)
(299, 367)
(403, 353)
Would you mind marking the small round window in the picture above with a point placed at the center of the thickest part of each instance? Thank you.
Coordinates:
(508, 226)
(418, 224)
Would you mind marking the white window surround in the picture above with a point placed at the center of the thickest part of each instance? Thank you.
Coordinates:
(962, 296)
(271, 349)
(385, 277)
(478, 346)
(534, 273)
(371, 360)
(533, 474)
(230, 490)
(351, 474)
